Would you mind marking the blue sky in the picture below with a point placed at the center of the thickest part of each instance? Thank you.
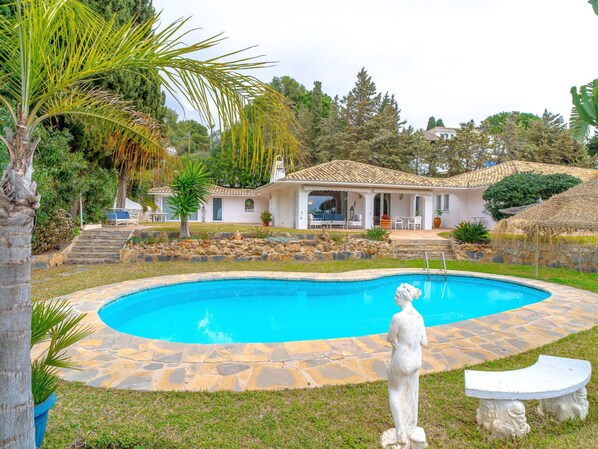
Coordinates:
(458, 59)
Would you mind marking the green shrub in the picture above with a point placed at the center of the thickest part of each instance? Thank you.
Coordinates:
(262, 233)
(58, 229)
(266, 216)
(471, 232)
(377, 234)
(338, 238)
(134, 240)
(521, 189)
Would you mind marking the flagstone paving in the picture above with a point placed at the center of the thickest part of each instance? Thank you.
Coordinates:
(112, 359)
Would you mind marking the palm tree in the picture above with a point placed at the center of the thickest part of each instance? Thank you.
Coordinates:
(190, 189)
(51, 51)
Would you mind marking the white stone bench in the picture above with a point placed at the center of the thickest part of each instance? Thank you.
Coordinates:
(559, 383)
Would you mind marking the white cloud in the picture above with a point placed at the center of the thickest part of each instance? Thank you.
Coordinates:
(459, 60)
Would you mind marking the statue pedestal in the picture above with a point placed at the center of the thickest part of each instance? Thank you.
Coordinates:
(417, 440)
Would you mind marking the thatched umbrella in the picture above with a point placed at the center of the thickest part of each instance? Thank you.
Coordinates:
(571, 211)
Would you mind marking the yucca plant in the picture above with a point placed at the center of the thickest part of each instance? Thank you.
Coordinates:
(55, 327)
(190, 190)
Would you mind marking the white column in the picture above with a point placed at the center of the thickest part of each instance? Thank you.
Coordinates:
(301, 212)
(369, 210)
(428, 211)
(272, 203)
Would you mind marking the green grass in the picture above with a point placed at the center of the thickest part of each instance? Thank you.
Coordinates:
(222, 227)
(352, 416)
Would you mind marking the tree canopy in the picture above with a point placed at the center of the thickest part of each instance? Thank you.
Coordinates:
(521, 189)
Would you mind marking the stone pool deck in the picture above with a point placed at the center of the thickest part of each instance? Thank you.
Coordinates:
(112, 359)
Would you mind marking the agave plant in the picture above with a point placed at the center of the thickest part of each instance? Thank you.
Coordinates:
(585, 109)
(55, 327)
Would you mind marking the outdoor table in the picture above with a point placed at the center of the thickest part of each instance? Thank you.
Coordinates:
(158, 216)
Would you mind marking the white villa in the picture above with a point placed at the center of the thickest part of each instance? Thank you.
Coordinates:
(351, 194)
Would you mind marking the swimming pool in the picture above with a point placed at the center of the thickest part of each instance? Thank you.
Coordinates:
(276, 310)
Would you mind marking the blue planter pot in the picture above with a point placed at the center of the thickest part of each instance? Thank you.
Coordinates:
(40, 415)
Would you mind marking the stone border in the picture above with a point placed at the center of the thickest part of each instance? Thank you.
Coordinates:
(112, 359)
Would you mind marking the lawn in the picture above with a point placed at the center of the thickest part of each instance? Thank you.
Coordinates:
(331, 417)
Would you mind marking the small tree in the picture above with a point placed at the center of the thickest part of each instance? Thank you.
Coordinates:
(521, 189)
(190, 188)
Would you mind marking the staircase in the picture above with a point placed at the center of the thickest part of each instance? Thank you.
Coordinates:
(98, 246)
(414, 249)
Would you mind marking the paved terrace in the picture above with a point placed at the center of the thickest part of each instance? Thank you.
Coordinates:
(113, 359)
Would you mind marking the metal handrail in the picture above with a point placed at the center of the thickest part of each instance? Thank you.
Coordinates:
(444, 264)
(427, 263)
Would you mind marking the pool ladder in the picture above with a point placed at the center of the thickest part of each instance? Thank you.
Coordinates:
(443, 266)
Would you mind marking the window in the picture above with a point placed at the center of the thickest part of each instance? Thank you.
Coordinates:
(446, 202)
(249, 205)
(438, 202)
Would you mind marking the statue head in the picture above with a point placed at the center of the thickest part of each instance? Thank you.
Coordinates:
(406, 293)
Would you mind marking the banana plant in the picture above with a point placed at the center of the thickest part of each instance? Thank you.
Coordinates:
(585, 109)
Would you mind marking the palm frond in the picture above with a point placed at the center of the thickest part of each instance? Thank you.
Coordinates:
(56, 45)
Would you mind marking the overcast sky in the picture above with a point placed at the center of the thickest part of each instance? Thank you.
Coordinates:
(454, 59)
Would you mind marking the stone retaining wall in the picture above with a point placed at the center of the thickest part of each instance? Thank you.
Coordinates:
(47, 260)
(319, 247)
(522, 252)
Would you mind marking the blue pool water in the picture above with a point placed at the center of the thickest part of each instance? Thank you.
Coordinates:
(268, 311)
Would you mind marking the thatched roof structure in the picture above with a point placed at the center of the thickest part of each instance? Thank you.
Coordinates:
(571, 211)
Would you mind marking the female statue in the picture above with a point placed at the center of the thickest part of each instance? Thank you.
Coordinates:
(407, 335)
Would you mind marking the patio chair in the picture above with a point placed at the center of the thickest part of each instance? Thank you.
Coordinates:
(415, 222)
(356, 222)
(313, 222)
(399, 222)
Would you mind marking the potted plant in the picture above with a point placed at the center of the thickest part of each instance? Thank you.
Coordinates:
(437, 219)
(53, 329)
(385, 221)
(266, 217)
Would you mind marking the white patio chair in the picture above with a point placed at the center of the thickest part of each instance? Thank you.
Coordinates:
(399, 222)
(313, 222)
(356, 222)
(414, 222)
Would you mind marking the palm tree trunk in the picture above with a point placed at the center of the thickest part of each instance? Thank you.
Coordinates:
(18, 201)
(184, 231)
(121, 197)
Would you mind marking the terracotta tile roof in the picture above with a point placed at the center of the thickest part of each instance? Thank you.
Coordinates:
(490, 175)
(431, 136)
(355, 172)
(214, 191)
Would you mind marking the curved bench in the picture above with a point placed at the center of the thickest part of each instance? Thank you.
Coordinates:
(559, 383)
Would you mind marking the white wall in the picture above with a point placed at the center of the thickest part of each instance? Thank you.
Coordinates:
(233, 209)
(475, 207)
(399, 207)
(283, 206)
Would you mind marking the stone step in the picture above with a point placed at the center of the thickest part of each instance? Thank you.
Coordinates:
(423, 242)
(433, 263)
(86, 241)
(95, 251)
(87, 261)
(97, 240)
(107, 236)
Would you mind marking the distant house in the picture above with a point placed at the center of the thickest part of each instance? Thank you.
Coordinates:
(346, 190)
(439, 132)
